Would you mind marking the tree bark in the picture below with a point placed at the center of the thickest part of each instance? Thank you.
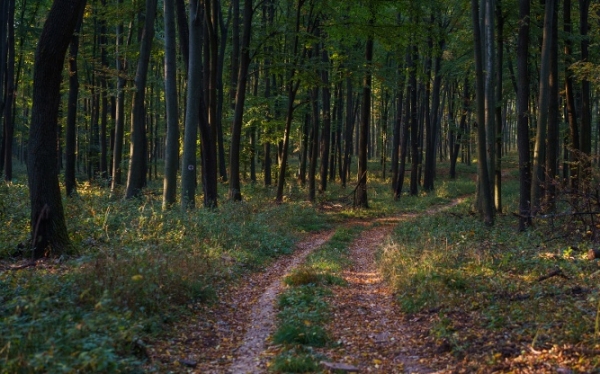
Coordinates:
(573, 143)
(482, 164)
(192, 115)
(9, 123)
(539, 151)
(361, 190)
(523, 115)
(136, 177)
(48, 227)
(172, 141)
(71, 133)
(235, 191)
(326, 132)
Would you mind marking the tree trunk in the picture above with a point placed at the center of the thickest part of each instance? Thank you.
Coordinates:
(9, 123)
(553, 120)
(539, 151)
(523, 116)
(326, 132)
(482, 164)
(498, 109)
(192, 115)
(586, 113)
(121, 64)
(48, 227)
(414, 124)
(136, 177)
(172, 141)
(314, 143)
(71, 136)
(235, 192)
(573, 143)
(348, 131)
(363, 139)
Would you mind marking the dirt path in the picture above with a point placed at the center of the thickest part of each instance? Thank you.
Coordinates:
(373, 335)
(229, 337)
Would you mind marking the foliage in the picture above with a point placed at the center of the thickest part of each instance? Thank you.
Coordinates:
(517, 289)
(137, 268)
(303, 306)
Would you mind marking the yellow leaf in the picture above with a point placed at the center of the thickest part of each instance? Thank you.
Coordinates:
(307, 323)
(137, 278)
(377, 362)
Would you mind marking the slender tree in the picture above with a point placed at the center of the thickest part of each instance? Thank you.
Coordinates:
(136, 179)
(523, 116)
(172, 140)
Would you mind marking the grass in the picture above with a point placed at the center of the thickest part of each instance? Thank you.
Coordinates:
(484, 286)
(134, 270)
(303, 309)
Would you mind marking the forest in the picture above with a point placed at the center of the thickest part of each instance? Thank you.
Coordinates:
(289, 186)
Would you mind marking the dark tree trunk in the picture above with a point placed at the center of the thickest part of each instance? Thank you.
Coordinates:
(573, 142)
(193, 114)
(136, 177)
(414, 123)
(539, 151)
(482, 169)
(71, 136)
(326, 132)
(403, 135)
(586, 113)
(172, 141)
(397, 128)
(348, 131)
(363, 139)
(9, 125)
(48, 227)
(235, 192)
(553, 120)
(314, 143)
(523, 116)
(498, 109)
(433, 129)
(461, 129)
(121, 65)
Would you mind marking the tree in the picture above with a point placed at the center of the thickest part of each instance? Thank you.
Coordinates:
(539, 151)
(172, 141)
(9, 125)
(361, 189)
(235, 192)
(483, 176)
(136, 177)
(523, 116)
(192, 114)
(48, 227)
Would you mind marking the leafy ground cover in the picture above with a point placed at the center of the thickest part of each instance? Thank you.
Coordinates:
(135, 269)
(303, 307)
(494, 298)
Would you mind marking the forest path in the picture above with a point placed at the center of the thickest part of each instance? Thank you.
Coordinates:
(232, 335)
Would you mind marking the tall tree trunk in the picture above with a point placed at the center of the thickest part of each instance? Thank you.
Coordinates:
(71, 133)
(314, 143)
(553, 120)
(586, 110)
(462, 128)
(292, 90)
(326, 132)
(414, 123)
(48, 227)
(136, 176)
(498, 108)
(573, 143)
(523, 115)
(121, 64)
(539, 151)
(348, 130)
(433, 130)
(9, 125)
(172, 141)
(235, 192)
(192, 115)
(361, 188)
(482, 164)
(397, 127)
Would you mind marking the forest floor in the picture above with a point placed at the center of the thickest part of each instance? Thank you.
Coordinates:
(372, 334)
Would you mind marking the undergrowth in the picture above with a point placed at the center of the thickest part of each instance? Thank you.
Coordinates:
(496, 295)
(134, 269)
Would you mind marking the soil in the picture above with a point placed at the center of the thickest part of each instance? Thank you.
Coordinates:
(372, 334)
